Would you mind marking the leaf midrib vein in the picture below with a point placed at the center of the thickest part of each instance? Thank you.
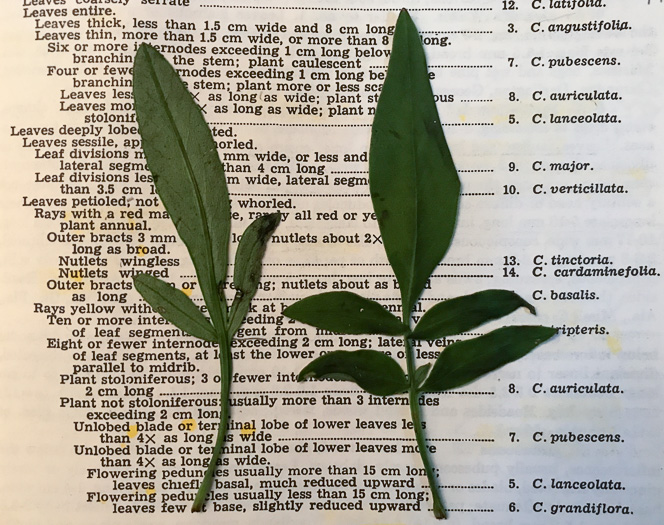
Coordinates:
(413, 260)
(190, 174)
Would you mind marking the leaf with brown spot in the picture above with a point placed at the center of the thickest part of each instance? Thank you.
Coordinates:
(249, 264)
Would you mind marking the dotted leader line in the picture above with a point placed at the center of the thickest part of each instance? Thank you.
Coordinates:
(311, 392)
(490, 487)
(350, 276)
(344, 195)
(344, 265)
(387, 299)
(363, 264)
(364, 172)
(460, 66)
(475, 440)
(289, 125)
(372, 9)
(457, 32)
(367, 264)
(469, 510)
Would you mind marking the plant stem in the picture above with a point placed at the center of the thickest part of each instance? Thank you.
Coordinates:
(225, 365)
(414, 402)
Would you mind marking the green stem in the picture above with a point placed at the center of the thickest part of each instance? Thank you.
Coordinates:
(225, 365)
(414, 402)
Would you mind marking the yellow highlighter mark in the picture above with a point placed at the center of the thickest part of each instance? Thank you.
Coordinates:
(187, 291)
(248, 431)
(150, 491)
(133, 430)
(485, 431)
(614, 344)
(188, 424)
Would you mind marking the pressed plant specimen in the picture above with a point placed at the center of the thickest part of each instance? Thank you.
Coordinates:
(190, 181)
(415, 192)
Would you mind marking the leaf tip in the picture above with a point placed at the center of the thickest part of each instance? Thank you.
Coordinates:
(285, 313)
(404, 13)
(143, 53)
(268, 224)
(552, 330)
(529, 307)
(274, 220)
(306, 374)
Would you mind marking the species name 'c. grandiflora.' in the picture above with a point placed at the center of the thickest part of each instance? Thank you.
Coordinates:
(190, 181)
(415, 192)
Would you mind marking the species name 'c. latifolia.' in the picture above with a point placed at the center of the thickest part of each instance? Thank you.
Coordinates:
(190, 181)
(415, 191)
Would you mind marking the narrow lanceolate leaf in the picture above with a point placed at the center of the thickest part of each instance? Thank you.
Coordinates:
(345, 313)
(465, 361)
(373, 371)
(174, 306)
(414, 184)
(461, 314)
(185, 167)
(249, 264)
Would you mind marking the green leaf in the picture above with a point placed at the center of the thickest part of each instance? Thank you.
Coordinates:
(465, 361)
(461, 314)
(174, 306)
(373, 371)
(414, 184)
(186, 170)
(249, 263)
(421, 374)
(345, 313)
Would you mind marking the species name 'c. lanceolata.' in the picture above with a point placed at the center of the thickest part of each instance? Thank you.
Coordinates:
(415, 192)
(190, 181)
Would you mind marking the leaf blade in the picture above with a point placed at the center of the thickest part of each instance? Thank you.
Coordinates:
(185, 167)
(345, 313)
(464, 361)
(175, 306)
(249, 263)
(464, 313)
(421, 374)
(413, 182)
(373, 371)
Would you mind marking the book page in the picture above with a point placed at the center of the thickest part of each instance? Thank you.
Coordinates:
(552, 113)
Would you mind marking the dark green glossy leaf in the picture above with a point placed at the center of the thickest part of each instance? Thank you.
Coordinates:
(345, 313)
(465, 361)
(174, 306)
(461, 314)
(249, 264)
(414, 184)
(373, 371)
(185, 167)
